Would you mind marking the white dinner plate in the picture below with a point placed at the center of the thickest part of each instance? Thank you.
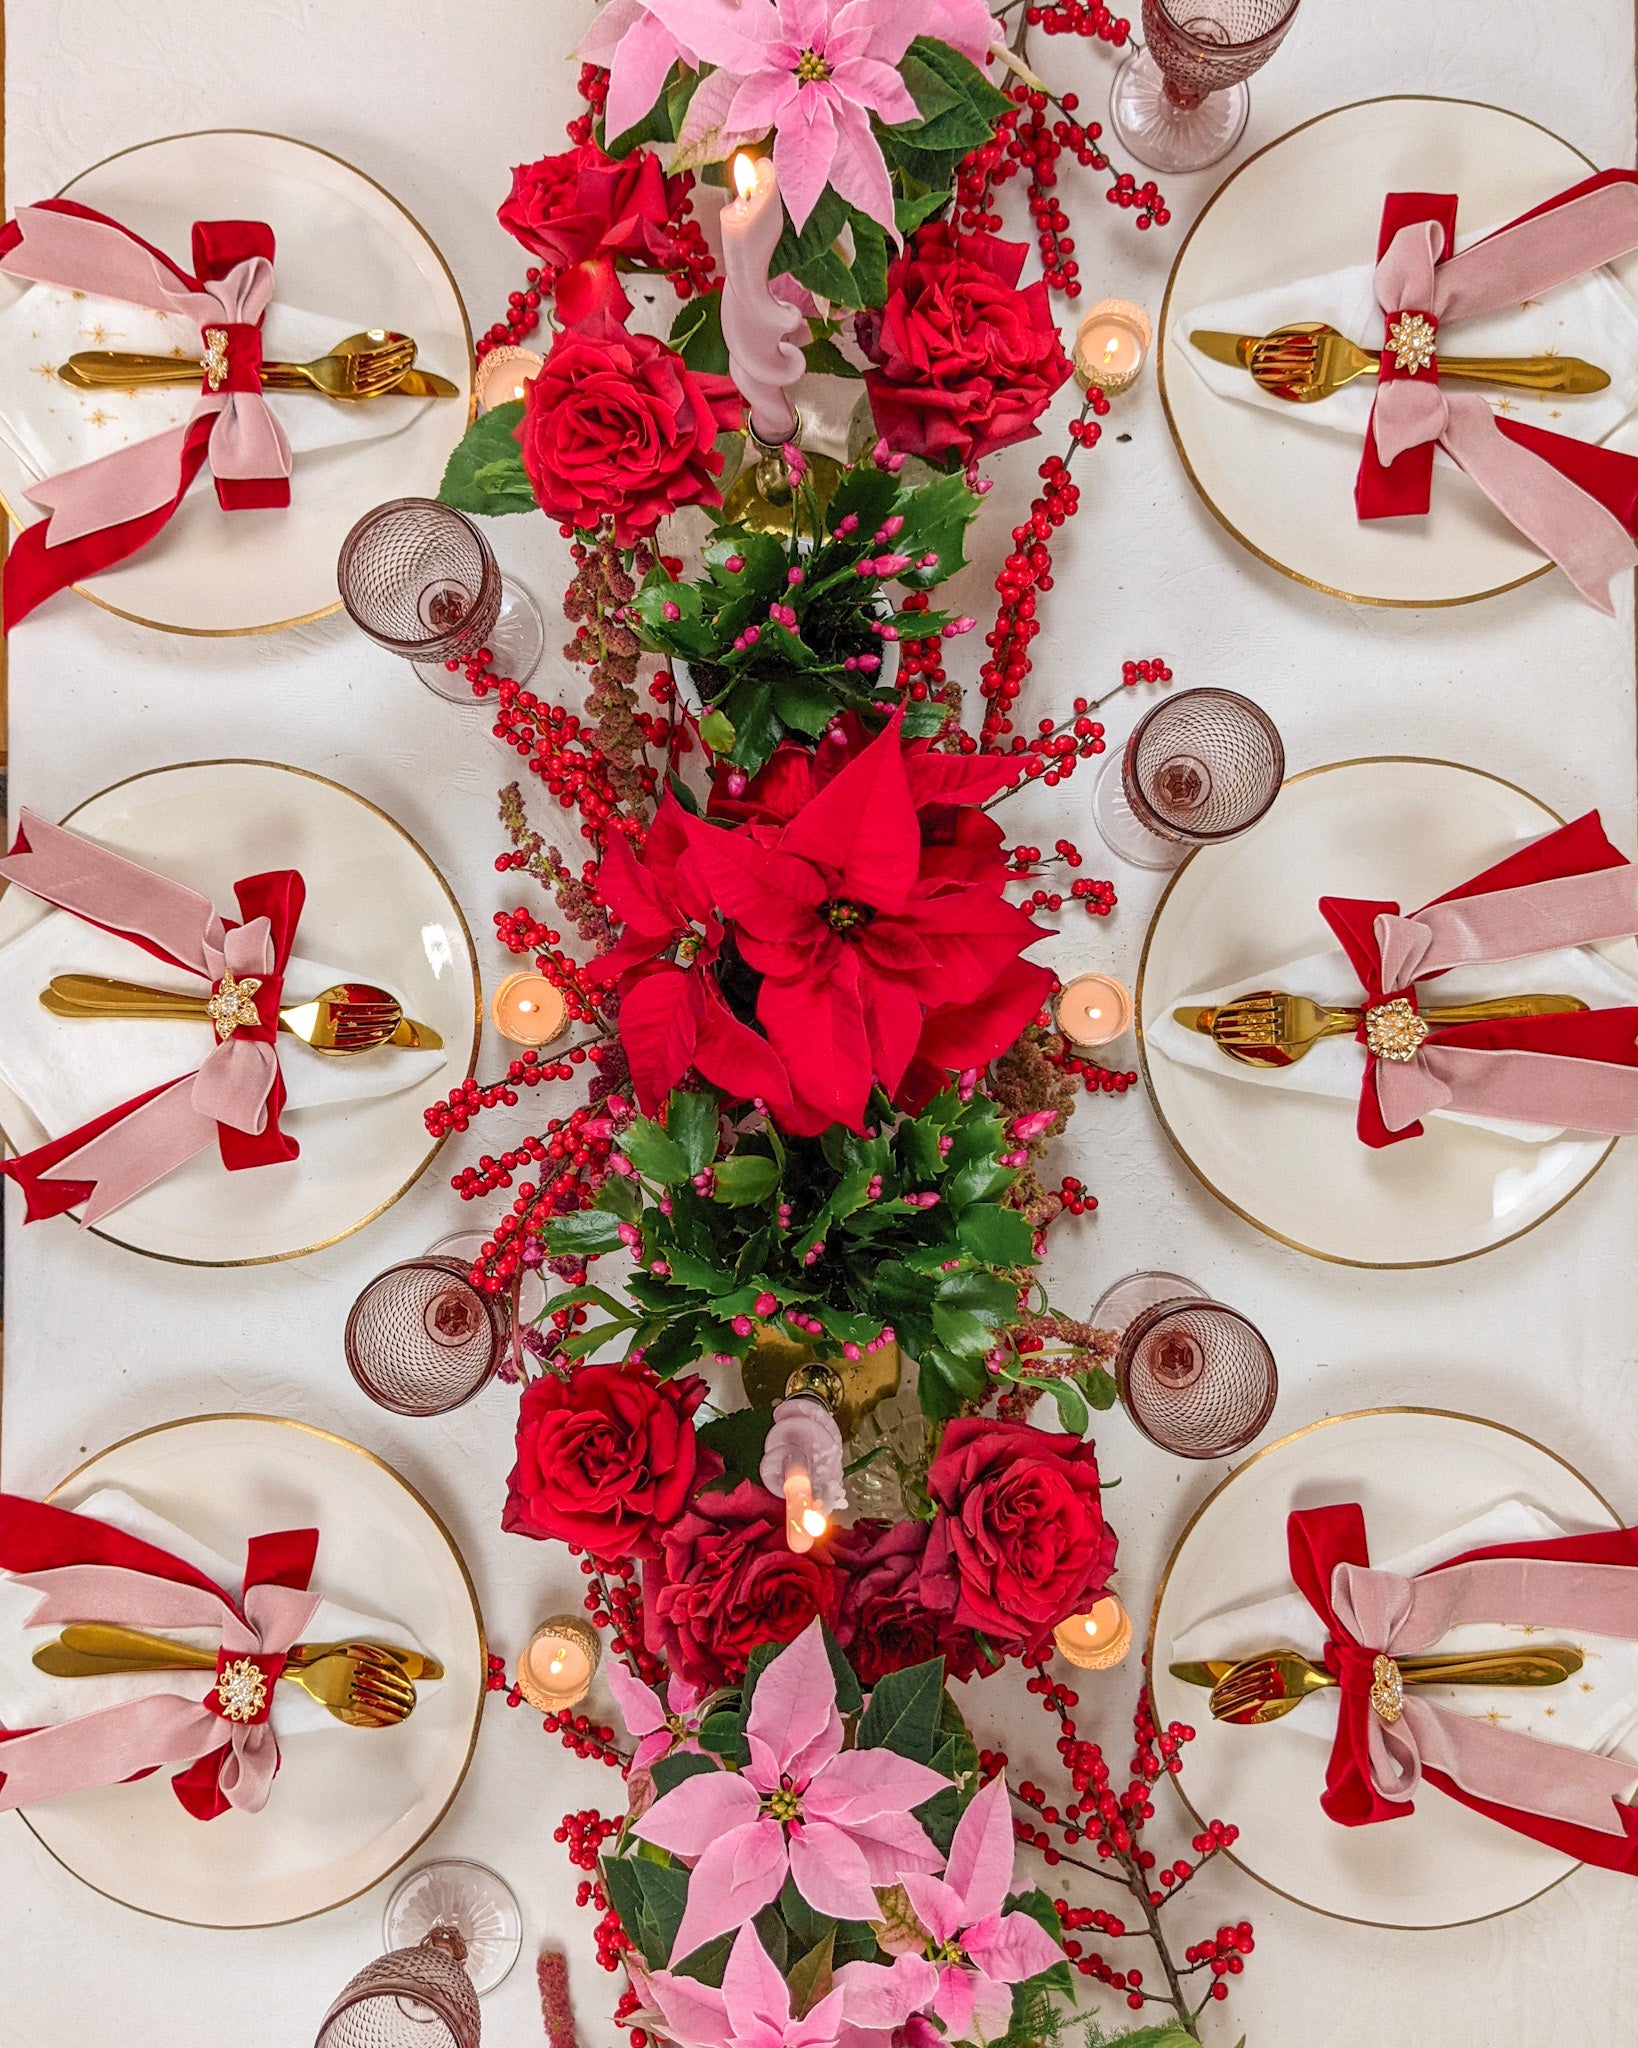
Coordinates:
(1292, 1163)
(1311, 203)
(1416, 1473)
(345, 247)
(375, 902)
(346, 1808)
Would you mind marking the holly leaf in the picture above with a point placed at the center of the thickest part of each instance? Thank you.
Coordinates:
(654, 1153)
(485, 472)
(696, 333)
(668, 1772)
(924, 721)
(585, 1234)
(946, 1381)
(997, 1236)
(691, 1122)
(738, 1440)
(827, 360)
(936, 517)
(745, 1177)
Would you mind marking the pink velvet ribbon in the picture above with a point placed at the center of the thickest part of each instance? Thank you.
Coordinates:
(235, 1082)
(1515, 1085)
(246, 441)
(1398, 1617)
(140, 1735)
(1517, 263)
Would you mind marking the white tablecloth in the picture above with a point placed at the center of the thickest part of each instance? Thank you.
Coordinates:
(437, 102)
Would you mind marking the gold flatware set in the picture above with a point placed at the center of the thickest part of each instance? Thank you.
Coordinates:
(365, 1684)
(353, 1016)
(1268, 1028)
(1251, 1691)
(1310, 360)
(375, 364)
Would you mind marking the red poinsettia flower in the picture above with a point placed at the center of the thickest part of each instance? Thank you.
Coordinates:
(875, 911)
(673, 1014)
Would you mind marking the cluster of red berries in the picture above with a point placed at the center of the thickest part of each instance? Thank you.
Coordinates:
(1152, 210)
(921, 662)
(1095, 1079)
(583, 1835)
(559, 748)
(1026, 571)
(517, 930)
(1072, 1193)
(1224, 1955)
(615, 1602)
(1079, 18)
(1098, 897)
(1134, 672)
(586, 1738)
(468, 1098)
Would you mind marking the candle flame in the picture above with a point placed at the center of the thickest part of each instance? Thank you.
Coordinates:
(556, 1664)
(814, 1522)
(744, 173)
(1111, 346)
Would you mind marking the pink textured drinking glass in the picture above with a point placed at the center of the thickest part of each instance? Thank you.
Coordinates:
(421, 1339)
(1198, 768)
(1196, 1377)
(420, 579)
(453, 1931)
(1180, 101)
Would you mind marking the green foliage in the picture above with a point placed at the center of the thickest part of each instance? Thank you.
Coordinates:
(696, 333)
(737, 1439)
(796, 679)
(485, 470)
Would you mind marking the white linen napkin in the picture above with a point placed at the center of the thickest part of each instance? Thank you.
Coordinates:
(1593, 1710)
(1336, 1066)
(70, 1069)
(1593, 316)
(51, 426)
(30, 1698)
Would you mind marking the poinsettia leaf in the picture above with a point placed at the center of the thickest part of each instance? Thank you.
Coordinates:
(908, 213)
(961, 1332)
(968, 117)
(489, 450)
(809, 1977)
(738, 1440)
(903, 1712)
(745, 1177)
(936, 517)
(1000, 1237)
(723, 1734)
(825, 359)
(586, 1233)
(691, 1122)
(992, 1299)
(650, 1899)
(668, 1772)
(931, 93)
(696, 333)
(583, 1343)
(653, 1153)
(808, 1926)
(869, 259)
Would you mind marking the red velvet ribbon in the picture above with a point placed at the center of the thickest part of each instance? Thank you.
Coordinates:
(35, 572)
(1319, 1539)
(1578, 848)
(278, 896)
(1404, 487)
(34, 1537)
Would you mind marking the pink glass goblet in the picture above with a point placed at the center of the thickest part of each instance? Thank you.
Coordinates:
(453, 1931)
(1180, 101)
(1199, 767)
(420, 579)
(1196, 1377)
(421, 1339)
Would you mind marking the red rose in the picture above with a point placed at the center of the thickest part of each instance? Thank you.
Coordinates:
(886, 1617)
(607, 1460)
(1021, 1541)
(965, 362)
(617, 426)
(725, 1581)
(583, 203)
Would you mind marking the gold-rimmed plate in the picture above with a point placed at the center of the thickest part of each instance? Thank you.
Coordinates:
(1288, 1161)
(1417, 1474)
(1306, 205)
(349, 1806)
(347, 251)
(374, 902)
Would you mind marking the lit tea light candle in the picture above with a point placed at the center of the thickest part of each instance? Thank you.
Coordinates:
(1094, 1009)
(502, 375)
(529, 1010)
(805, 1520)
(557, 1668)
(760, 331)
(1098, 1640)
(1111, 344)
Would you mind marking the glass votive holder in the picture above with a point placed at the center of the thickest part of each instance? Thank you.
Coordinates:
(1093, 1009)
(559, 1663)
(1111, 345)
(1098, 1639)
(529, 1010)
(502, 375)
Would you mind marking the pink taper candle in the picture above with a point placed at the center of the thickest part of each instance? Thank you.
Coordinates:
(764, 359)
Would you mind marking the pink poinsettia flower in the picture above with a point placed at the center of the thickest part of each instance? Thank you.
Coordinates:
(974, 1952)
(659, 1728)
(837, 1823)
(752, 2010)
(813, 71)
(637, 50)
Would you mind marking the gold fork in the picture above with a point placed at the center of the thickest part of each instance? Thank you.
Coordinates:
(366, 365)
(353, 1016)
(1268, 1028)
(1261, 1689)
(363, 1691)
(1309, 360)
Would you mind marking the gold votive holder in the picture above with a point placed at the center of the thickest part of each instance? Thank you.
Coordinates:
(502, 375)
(1096, 1640)
(1111, 345)
(1093, 1009)
(529, 1010)
(574, 1648)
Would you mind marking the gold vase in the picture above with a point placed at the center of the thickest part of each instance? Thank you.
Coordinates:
(849, 1387)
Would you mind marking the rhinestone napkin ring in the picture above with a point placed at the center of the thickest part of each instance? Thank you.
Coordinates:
(241, 1691)
(1411, 340)
(216, 357)
(233, 1006)
(1387, 1690)
(1393, 1031)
